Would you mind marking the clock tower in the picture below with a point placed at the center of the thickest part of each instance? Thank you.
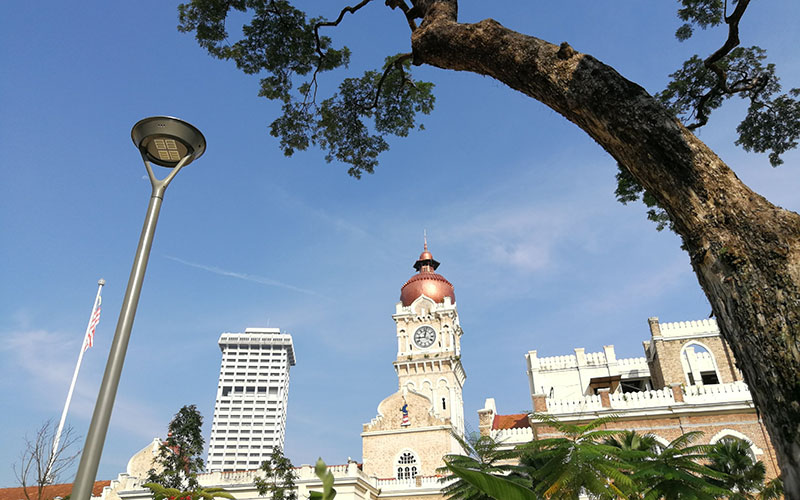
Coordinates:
(414, 427)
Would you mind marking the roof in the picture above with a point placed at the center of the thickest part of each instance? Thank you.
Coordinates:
(50, 491)
(515, 421)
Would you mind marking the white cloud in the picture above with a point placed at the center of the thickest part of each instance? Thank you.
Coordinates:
(42, 364)
(523, 236)
(247, 277)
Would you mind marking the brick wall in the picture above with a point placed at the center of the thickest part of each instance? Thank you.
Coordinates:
(713, 426)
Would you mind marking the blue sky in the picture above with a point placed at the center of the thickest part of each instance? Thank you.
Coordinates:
(517, 203)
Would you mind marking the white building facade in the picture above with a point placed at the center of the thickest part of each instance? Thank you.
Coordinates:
(687, 380)
(252, 398)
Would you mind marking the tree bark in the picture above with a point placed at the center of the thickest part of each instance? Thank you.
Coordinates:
(744, 250)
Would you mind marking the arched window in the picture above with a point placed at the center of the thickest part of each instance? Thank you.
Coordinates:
(730, 434)
(731, 439)
(407, 465)
(699, 365)
(661, 443)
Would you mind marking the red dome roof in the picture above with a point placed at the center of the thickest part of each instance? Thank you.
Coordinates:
(427, 282)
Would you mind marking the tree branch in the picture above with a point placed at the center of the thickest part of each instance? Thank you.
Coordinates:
(712, 63)
(407, 11)
(396, 64)
(350, 9)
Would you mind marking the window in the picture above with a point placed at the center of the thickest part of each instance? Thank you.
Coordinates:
(699, 365)
(444, 404)
(407, 466)
(709, 378)
(610, 382)
(634, 385)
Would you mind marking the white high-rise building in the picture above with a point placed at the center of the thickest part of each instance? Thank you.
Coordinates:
(252, 396)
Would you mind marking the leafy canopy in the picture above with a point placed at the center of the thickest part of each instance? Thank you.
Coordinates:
(576, 463)
(178, 461)
(279, 477)
(677, 472)
(772, 122)
(744, 475)
(283, 44)
(481, 453)
(588, 460)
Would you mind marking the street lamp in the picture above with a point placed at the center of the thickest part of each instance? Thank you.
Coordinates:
(168, 142)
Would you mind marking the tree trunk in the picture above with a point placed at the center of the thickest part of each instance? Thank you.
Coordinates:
(744, 250)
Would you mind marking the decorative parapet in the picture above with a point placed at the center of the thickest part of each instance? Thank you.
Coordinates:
(717, 393)
(558, 362)
(703, 327)
(596, 358)
(704, 357)
(403, 484)
(373, 422)
(644, 399)
(589, 359)
(219, 478)
(123, 482)
(691, 395)
(632, 363)
(513, 436)
(579, 405)
(396, 484)
(347, 477)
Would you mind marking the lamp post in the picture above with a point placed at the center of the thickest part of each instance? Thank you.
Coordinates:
(168, 142)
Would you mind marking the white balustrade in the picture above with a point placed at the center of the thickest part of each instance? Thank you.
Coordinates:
(643, 399)
(405, 484)
(717, 393)
(693, 394)
(513, 436)
(579, 405)
(558, 362)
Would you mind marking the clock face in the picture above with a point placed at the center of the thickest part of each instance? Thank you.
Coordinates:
(424, 336)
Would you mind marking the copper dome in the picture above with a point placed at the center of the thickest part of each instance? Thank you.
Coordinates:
(427, 282)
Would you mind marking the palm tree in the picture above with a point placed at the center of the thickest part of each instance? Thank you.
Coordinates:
(772, 490)
(578, 462)
(634, 448)
(675, 473)
(745, 475)
(482, 453)
(633, 441)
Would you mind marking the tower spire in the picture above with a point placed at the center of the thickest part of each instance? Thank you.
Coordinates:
(425, 238)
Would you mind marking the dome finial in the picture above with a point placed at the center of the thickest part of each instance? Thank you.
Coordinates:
(426, 262)
(426, 281)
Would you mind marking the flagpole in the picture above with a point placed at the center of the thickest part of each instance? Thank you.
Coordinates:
(84, 346)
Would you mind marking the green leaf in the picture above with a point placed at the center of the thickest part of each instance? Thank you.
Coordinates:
(494, 486)
(322, 472)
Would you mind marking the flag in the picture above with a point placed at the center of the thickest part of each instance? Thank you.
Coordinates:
(88, 340)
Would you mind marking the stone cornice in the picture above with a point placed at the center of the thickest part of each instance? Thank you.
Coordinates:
(408, 430)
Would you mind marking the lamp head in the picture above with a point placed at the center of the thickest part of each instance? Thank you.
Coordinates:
(165, 140)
